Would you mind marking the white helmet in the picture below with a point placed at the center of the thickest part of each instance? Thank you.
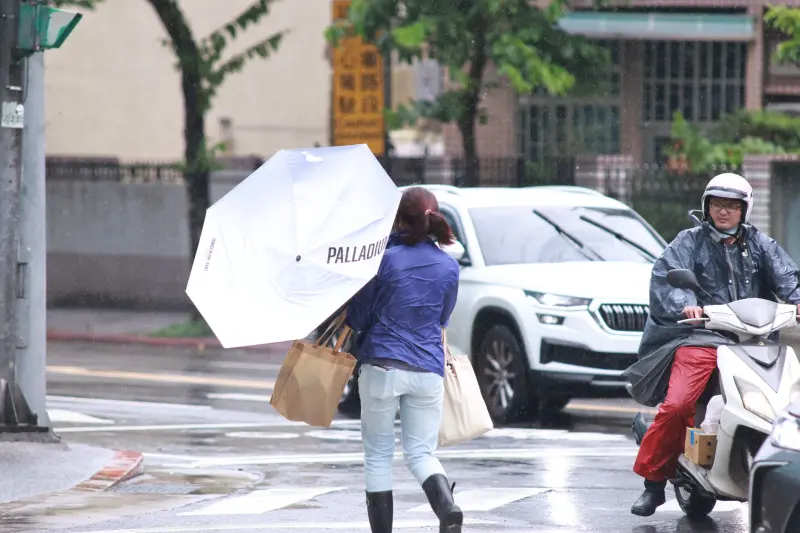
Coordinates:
(729, 185)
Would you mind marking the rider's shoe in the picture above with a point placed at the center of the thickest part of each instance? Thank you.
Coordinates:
(652, 497)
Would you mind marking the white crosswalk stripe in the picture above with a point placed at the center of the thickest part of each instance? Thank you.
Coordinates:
(487, 499)
(261, 501)
(273, 499)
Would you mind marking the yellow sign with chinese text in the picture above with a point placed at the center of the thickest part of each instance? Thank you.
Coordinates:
(358, 91)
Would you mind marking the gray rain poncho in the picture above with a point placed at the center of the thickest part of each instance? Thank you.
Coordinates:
(755, 266)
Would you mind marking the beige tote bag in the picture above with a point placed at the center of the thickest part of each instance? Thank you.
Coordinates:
(464, 413)
(312, 378)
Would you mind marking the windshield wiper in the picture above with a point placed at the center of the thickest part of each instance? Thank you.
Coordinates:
(648, 255)
(582, 247)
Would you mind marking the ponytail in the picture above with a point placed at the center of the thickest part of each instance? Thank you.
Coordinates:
(440, 229)
(419, 213)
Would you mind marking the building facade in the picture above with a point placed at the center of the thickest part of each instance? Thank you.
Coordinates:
(113, 90)
(703, 58)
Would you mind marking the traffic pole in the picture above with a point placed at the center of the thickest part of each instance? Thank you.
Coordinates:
(15, 415)
(32, 305)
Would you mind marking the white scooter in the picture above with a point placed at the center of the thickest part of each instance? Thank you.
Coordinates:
(758, 378)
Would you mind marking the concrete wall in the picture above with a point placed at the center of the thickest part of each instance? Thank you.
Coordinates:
(120, 244)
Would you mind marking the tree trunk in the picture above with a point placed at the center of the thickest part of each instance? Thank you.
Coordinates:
(195, 105)
(468, 121)
(468, 142)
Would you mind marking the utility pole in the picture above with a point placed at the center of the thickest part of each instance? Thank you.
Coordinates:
(32, 305)
(27, 27)
(14, 411)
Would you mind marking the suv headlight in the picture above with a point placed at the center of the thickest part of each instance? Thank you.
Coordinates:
(556, 300)
(786, 433)
(754, 400)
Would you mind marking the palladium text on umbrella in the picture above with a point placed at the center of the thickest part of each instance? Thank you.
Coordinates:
(351, 254)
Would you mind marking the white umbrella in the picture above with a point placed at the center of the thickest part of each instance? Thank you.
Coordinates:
(289, 245)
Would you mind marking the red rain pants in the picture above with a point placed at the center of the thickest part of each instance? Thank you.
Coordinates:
(664, 441)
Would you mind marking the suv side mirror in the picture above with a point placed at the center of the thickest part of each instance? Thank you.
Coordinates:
(455, 250)
(681, 278)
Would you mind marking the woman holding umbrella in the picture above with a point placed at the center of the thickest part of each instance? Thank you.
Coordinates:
(400, 316)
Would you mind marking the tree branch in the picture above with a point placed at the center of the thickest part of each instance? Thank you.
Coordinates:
(263, 49)
(216, 41)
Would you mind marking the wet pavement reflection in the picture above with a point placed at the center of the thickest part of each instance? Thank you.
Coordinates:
(218, 458)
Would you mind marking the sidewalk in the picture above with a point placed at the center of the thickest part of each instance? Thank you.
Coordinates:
(35, 468)
(118, 326)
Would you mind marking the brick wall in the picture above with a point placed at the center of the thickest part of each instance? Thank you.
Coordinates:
(496, 138)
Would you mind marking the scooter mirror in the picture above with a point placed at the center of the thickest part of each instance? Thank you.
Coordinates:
(681, 278)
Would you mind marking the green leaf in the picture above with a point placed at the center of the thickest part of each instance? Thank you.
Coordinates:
(262, 49)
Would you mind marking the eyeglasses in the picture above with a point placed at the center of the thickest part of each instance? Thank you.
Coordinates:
(730, 207)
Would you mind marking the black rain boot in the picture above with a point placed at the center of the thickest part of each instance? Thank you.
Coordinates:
(440, 496)
(652, 497)
(380, 510)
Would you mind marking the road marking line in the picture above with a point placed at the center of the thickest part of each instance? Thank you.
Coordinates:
(487, 499)
(239, 397)
(245, 366)
(576, 406)
(269, 435)
(261, 501)
(66, 416)
(124, 403)
(497, 454)
(174, 427)
(313, 526)
(163, 378)
(553, 434)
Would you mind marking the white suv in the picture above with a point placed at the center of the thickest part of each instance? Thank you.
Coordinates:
(553, 293)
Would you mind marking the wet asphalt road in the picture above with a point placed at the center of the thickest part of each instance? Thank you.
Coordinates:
(219, 459)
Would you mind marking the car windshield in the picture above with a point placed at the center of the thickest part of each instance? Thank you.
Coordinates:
(537, 234)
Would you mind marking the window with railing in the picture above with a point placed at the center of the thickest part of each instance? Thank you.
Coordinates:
(703, 80)
(584, 122)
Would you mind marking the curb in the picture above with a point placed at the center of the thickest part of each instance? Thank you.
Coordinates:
(161, 342)
(125, 465)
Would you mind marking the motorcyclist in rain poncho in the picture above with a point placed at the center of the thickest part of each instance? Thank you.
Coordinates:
(732, 260)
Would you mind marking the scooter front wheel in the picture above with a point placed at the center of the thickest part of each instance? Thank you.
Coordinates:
(694, 504)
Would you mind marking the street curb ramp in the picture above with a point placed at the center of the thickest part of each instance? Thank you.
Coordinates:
(125, 465)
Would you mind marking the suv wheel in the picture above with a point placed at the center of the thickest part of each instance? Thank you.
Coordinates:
(502, 374)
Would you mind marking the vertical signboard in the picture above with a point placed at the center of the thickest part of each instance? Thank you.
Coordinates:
(358, 91)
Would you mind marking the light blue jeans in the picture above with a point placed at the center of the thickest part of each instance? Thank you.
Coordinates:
(419, 396)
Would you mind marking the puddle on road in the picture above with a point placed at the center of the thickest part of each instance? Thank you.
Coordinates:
(154, 491)
(73, 508)
(195, 481)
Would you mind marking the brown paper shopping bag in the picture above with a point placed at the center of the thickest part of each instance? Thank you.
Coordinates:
(312, 379)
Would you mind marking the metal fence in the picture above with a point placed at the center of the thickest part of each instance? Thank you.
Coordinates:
(492, 172)
(663, 197)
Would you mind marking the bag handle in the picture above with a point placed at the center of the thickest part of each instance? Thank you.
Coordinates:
(342, 339)
(448, 357)
(335, 324)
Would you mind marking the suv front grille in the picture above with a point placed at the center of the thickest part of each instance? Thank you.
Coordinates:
(624, 317)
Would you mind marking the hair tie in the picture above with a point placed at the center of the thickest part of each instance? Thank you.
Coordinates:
(427, 212)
